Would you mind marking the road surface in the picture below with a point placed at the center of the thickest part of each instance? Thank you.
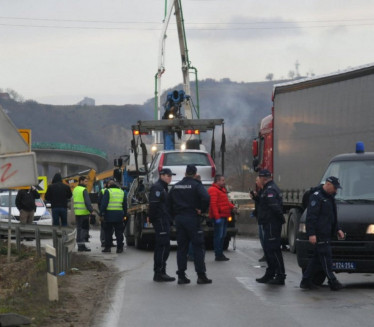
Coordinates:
(234, 298)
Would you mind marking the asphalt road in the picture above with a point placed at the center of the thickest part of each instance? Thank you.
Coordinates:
(234, 298)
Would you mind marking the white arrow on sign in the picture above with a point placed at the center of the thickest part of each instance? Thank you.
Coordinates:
(42, 184)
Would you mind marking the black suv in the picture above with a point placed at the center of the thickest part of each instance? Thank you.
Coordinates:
(355, 204)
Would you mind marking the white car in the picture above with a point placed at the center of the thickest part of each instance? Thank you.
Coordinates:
(41, 217)
(177, 160)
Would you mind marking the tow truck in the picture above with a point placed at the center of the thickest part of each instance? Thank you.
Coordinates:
(171, 130)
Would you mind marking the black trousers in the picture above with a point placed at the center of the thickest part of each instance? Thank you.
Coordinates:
(322, 259)
(118, 231)
(83, 226)
(162, 245)
(189, 230)
(272, 248)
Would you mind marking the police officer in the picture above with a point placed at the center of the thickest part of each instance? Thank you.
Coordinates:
(270, 217)
(113, 208)
(188, 199)
(321, 225)
(82, 210)
(160, 217)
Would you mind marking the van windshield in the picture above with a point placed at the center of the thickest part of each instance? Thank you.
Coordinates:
(356, 179)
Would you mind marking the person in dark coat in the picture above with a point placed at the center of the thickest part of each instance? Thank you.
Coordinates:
(321, 226)
(25, 203)
(113, 209)
(187, 200)
(255, 195)
(270, 216)
(58, 194)
(160, 218)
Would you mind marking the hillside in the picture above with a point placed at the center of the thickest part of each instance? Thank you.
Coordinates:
(241, 105)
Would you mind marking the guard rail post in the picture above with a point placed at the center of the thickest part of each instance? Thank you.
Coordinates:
(59, 255)
(18, 238)
(37, 241)
(54, 237)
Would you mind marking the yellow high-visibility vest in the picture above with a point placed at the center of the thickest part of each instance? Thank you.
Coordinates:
(116, 197)
(79, 205)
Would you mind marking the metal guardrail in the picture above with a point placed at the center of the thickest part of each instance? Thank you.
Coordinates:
(63, 239)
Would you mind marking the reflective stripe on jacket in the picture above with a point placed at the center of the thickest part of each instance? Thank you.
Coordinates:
(116, 196)
(80, 208)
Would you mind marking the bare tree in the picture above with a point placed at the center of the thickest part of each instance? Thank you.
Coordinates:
(269, 76)
(14, 95)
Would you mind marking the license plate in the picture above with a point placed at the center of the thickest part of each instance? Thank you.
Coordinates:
(344, 265)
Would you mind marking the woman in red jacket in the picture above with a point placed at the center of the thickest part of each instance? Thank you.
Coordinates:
(219, 210)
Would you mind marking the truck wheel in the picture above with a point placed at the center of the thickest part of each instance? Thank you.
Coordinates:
(209, 244)
(139, 243)
(293, 226)
(130, 241)
(226, 242)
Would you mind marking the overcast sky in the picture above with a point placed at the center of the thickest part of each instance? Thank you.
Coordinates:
(58, 52)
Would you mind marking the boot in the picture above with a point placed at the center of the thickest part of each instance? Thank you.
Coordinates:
(163, 277)
(182, 279)
(119, 250)
(307, 284)
(106, 250)
(277, 280)
(203, 279)
(264, 279)
(83, 248)
(335, 285)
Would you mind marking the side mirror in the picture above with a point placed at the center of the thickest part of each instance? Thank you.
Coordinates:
(255, 148)
(256, 168)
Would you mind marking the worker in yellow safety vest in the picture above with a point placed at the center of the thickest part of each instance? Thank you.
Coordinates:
(82, 210)
(113, 209)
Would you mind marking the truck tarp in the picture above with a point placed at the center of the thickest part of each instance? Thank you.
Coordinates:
(316, 119)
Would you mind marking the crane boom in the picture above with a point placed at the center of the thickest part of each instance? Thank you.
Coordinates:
(177, 6)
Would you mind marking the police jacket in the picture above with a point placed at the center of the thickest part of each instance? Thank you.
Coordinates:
(270, 209)
(186, 196)
(220, 206)
(113, 205)
(321, 218)
(158, 208)
(58, 193)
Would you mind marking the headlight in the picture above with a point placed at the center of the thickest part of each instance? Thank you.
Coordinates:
(370, 229)
(302, 228)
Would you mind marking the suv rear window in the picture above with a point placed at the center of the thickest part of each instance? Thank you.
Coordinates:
(186, 158)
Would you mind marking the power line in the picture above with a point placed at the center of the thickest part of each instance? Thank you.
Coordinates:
(190, 29)
(190, 23)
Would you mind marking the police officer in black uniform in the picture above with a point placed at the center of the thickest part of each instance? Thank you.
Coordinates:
(160, 218)
(188, 199)
(321, 226)
(270, 217)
